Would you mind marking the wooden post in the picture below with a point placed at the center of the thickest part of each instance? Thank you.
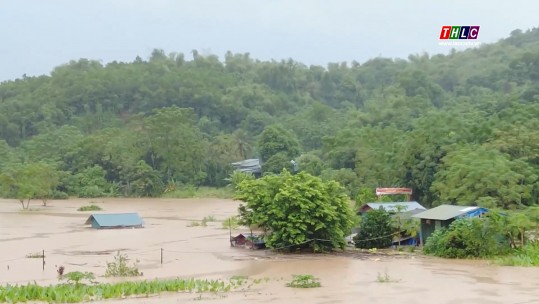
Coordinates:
(161, 256)
(43, 257)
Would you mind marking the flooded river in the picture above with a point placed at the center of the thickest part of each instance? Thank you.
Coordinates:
(205, 252)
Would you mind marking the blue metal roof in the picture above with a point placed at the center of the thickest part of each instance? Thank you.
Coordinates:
(116, 220)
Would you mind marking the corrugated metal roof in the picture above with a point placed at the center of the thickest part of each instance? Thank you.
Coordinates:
(116, 220)
(445, 212)
(392, 207)
(248, 165)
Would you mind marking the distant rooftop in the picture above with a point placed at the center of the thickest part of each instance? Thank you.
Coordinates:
(392, 206)
(110, 220)
(248, 166)
(445, 212)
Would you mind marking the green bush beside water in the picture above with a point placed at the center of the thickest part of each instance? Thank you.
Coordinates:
(90, 208)
(467, 238)
(526, 256)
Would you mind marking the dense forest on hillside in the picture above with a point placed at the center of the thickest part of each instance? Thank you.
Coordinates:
(459, 128)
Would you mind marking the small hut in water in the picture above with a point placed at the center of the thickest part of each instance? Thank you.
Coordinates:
(252, 241)
(115, 220)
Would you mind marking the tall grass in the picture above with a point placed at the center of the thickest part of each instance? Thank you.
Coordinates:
(526, 256)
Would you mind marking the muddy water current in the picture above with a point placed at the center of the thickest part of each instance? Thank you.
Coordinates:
(205, 252)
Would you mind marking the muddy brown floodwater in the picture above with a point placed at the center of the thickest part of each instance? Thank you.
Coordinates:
(205, 252)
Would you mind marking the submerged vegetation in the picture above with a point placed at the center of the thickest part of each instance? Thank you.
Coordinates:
(121, 268)
(304, 281)
(90, 208)
(385, 278)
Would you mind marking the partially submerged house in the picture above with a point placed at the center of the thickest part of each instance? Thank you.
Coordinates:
(252, 241)
(392, 207)
(115, 220)
(443, 216)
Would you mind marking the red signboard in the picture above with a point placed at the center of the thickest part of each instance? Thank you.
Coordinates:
(392, 191)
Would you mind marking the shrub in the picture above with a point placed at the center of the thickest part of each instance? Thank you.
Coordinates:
(526, 256)
(304, 281)
(75, 277)
(120, 268)
(467, 238)
(90, 208)
(375, 231)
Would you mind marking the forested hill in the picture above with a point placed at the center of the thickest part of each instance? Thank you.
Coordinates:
(459, 128)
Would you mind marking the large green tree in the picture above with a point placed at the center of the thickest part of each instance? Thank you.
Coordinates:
(473, 175)
(376, 230)
(175, 145)
(275, 140)
(29, 181)
(297, 211)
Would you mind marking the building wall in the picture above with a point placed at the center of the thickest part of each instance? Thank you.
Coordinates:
(427, 228)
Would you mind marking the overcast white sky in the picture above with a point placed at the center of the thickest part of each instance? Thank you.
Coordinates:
(37, 35)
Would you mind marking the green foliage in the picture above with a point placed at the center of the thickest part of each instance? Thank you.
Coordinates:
(90, 208)
(145, 181)
(232, 222)
(76, 292)
(237, 177)
(486, 177)
(457, 128)
(296, 211)
(464, 238)
(526, 256)
(311, 164)
(120, 267)
(76, 277)
(376, 230)
(345, 177)
(277, 163)
(175, 145)
(304, 281)
(30, 181)
(275, 140)
(189, 191)
(91, 182)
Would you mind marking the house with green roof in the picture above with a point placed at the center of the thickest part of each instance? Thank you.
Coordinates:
(443, 216)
